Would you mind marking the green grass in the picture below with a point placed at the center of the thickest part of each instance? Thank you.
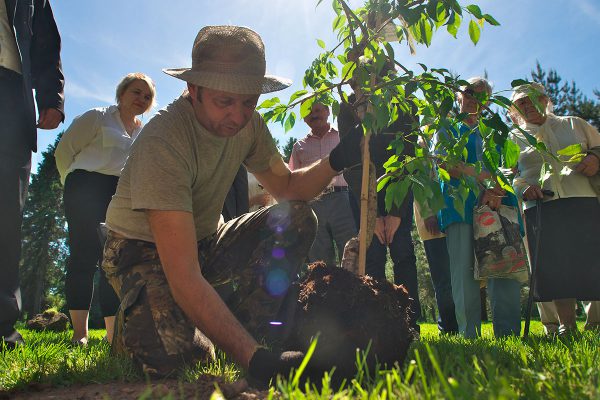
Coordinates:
(447, 367)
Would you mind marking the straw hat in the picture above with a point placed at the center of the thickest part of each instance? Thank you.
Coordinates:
(230, 59)
(527, 90)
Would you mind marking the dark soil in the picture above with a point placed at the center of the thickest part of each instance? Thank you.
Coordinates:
(350, 312)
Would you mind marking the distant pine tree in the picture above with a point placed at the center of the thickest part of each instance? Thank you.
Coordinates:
(567, 97)
(44, 239)
(287, 149)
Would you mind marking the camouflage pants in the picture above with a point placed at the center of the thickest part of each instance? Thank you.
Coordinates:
(251, 261)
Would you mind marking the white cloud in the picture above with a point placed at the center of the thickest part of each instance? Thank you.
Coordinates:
(592, 10)
(98, 92)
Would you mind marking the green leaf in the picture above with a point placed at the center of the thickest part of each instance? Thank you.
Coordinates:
(453, 24)
(475, 10)
(501, 101)
(410, 88)
(426, 31)
(298, 373)
(389, 50)
(446, 106)
(321, 44)
(570, 150)
(577, 158)
(396, 192)
(348, 69)
(306, 106)
(337, 7)
(518, 82)
(443, 174)
(495, 122)
(490, 20)
(338, 22)
(474, 32)
(290, 121)
(297, 94)
(510, 152)
(381, 184)
(431, 8)
(269, 103)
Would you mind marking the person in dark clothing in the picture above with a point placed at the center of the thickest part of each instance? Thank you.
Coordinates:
(393, 227)
(29, 59)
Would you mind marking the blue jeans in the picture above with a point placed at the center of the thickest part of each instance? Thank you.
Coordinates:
(505, 294)
(439, 268)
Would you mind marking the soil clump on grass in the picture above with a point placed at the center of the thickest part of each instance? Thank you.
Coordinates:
(350, 312)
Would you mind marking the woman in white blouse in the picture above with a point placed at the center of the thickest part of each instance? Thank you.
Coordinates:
(568, 265)
(89, 158)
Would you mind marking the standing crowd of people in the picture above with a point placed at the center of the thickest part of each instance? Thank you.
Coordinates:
(186, 266)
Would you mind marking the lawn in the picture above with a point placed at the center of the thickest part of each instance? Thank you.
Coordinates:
(437, 367)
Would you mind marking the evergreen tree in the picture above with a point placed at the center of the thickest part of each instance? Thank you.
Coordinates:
(287, 149)
(44, 239)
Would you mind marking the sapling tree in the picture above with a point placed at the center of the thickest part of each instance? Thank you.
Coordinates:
(360, 58)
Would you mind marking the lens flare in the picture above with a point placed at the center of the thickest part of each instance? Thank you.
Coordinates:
(279, 218)
(277, 282)
(278, 253)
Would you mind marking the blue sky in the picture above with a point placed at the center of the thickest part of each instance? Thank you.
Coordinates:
(104, 40)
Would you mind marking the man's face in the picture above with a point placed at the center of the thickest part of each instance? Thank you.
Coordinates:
(222, 113)
(468, 102)
(317, 117)
(530, 113)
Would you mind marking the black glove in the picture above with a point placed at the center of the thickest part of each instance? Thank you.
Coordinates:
(266, 365)
(347, 153)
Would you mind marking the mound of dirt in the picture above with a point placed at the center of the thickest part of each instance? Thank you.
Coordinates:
(50, 320)
(350, 312)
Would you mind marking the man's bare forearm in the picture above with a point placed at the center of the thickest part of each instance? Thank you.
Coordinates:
(306, 183)
(175, 238)
(210, 314)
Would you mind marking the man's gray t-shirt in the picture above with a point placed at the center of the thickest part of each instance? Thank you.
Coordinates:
(176, 164)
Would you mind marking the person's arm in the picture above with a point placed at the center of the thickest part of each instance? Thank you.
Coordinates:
(175, 239)
(301, 184)
(80, 133)
(590, 164)
(46, 69)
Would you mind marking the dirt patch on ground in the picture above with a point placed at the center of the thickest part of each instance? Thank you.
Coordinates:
(202, 389)
(350, 312)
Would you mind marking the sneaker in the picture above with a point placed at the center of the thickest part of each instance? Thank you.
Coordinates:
(551, 330)
(567, 331)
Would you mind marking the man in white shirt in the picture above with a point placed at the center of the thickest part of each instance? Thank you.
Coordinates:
(29, 59)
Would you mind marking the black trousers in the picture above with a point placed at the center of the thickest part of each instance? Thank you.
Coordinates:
(15, 165)
(402, 253)
(86, 197)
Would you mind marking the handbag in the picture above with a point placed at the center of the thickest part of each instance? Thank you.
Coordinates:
(498, 244)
